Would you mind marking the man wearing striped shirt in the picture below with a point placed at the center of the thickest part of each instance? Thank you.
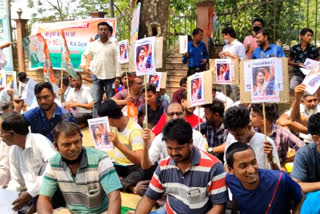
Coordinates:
(193, 179)
(86, 177)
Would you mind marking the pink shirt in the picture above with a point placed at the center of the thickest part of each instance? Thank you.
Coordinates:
(252, 41)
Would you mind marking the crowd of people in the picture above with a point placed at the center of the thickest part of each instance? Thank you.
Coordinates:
(223, 157)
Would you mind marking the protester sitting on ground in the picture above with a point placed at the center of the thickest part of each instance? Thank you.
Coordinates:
(124, 80)
(85, 176)
(29, 154)
(256, 190)
(237, 121)
(309, 105)
(299, 54)
(44, 118)
(126, 137)
(250, 42)
(64, 89)
(198, 191)
(79, 101)
(155, 108)
(177, 95)
(213, 128)
(117, 87)
(190, 117)
(163, 95)
(282, 137)
(306, 170)
(135, 85)
(266, 49)
(300, 114)
(157, 150)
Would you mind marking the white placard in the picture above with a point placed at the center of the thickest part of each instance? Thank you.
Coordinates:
(6, 199)
(28, 94)
(123, 53)
(263, 78)
(99, 129)
(196, 90)
(224, 71)
(183, 41)
(312, 80)
(144, 56)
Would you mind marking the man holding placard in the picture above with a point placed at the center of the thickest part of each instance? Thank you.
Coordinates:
(197, 55)
(237, 121)
(104, 65)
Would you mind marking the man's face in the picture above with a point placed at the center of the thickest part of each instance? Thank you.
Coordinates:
(184, 86)
(174, 112)
(242, 135)
(261, 39)
(151, 98)
(199, 36)
(45, 99)
(104, 32)
(69, 147)
(245, 167)
(76, 82)
(307, 37)
(310, 102)
(257, 24)
(260, 77)
(256, 119)
(138, 84)
(71, 84)
(142, 55)
(210, 118)
(226, 37)
(179, 153)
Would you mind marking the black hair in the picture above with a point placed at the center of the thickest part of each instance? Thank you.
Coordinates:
(272, 111)
(189, 38)
(314, 124)
(69, 129)
(236, 117)
(264, 32)
(217, 106)
(105, 24)
(78, 74)
(196, 31)
(230, 31)
(42, 85)
(178, 130)
(184, 95)
(258, 20)
(15, 122)
(306, 30)
(110, 109)
(22, 76)
(234, 148)
(150, 87)
(65, 81)
(6, 106)
(183, 81)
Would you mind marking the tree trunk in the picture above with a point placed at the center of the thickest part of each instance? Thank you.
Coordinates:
(155, 11)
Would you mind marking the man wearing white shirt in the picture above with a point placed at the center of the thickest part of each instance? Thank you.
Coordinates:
(79, 101)
(4, 165)
(237, 121)
(233, 49)
(28, 156)
(105, 66)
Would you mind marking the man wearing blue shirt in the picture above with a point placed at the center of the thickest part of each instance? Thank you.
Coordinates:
(266, 49)
(197, 55)
(257, 190)
(44, 118)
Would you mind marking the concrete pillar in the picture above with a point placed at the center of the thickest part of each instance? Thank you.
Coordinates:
(97, 14)
(203, 7)
(21, 33)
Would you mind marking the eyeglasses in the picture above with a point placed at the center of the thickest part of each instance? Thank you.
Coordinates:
(171, 114)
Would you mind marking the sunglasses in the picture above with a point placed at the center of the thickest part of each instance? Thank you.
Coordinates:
(171, 114)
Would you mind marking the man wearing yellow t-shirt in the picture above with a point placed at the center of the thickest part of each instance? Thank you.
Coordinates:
(126, 136)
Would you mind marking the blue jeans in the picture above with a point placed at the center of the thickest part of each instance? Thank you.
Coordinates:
(99, 87)
(161, 210)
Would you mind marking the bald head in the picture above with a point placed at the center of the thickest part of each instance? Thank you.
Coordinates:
(175, 111)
